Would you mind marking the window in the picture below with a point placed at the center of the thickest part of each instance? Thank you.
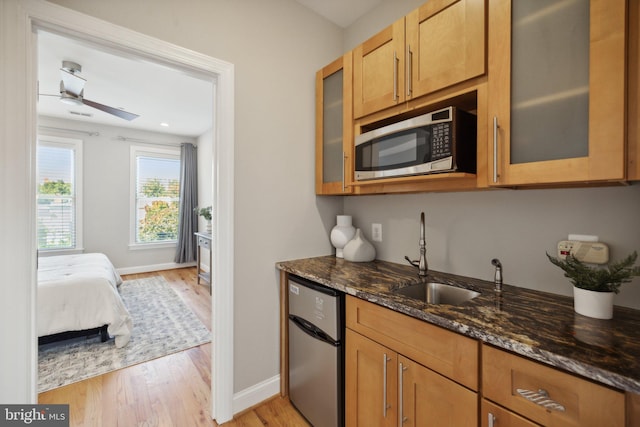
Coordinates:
(155, 195)
(59, 191)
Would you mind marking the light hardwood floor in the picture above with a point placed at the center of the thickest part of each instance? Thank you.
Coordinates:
(169, 391)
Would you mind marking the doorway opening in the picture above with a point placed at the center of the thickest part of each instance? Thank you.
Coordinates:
(45, 17)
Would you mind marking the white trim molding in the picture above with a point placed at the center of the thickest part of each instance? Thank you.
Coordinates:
(20, 21)
(256, 394)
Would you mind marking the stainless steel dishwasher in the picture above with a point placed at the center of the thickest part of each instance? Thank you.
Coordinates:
(316, 352)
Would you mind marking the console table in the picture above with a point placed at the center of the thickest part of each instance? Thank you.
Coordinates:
(204, 241)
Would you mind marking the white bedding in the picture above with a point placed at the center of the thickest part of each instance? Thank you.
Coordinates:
(77, 292)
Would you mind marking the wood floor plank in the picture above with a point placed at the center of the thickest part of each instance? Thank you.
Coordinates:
(171, 391)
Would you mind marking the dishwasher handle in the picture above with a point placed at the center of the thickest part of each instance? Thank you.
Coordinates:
(312, 330)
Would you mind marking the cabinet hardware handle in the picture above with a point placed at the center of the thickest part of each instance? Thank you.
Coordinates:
(409, 83)
(385, 359)
(495, 149)
(401, 418)
(395, 76)
(541, 397)
(344, 156)
(491, 420)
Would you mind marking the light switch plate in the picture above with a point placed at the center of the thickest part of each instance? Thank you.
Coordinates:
(591, 252)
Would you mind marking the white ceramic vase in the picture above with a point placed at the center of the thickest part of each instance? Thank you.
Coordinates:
(598, 305)
(209, 226)
(342, 233)
(359, 249)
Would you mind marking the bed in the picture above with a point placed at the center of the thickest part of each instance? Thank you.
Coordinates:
(80, 293)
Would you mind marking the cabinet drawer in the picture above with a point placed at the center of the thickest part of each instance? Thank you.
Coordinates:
(448, 353)
(507, 379)
(205, 243)
(496, 416)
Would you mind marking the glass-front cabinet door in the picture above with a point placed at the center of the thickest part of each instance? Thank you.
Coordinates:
(556, 91)
(334, 127)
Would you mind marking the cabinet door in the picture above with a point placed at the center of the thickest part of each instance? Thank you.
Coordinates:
(445, 45)
(334, 130)
(557, 91)
(496, 416)
(427, 398)
(378, 71)
(370, 382)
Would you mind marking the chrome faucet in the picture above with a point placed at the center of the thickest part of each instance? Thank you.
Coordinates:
(497, 278)
(423, 266)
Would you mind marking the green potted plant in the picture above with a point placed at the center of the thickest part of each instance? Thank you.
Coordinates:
(594, 286)
(206, 214)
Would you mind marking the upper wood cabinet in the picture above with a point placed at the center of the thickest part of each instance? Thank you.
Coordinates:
(437, 45)
(557, 92)
(445, 42)
(378, 65)
(334, 127)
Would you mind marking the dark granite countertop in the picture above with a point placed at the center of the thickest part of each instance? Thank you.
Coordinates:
(539, 325)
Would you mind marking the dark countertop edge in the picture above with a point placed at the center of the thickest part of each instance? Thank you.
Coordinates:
(552, 359)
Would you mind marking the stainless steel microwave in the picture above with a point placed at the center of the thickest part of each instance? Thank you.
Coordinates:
(440, 141)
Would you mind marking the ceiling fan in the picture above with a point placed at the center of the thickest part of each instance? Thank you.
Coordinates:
(72, 91)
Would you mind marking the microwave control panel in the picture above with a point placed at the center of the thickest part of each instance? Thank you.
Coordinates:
(441, 141)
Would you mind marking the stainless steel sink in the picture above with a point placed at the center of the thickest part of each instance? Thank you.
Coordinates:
(438, 293)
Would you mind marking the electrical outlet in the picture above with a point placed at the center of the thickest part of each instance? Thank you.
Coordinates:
(592, 252)
(376, 232)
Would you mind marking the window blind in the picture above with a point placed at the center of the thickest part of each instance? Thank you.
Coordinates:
(56, 197)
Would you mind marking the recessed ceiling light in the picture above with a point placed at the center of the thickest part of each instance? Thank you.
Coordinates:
(164, 124)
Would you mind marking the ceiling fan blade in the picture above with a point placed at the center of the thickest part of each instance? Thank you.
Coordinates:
(72, 84)
(111, 110)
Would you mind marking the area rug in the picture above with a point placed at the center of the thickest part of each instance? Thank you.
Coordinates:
(162, 324)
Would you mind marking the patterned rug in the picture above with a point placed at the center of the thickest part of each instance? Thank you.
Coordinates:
(162, 324)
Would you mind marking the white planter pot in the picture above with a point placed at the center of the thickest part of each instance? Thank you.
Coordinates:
(598, 305)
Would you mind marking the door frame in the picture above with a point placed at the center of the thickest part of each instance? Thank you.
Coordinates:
(21, 20)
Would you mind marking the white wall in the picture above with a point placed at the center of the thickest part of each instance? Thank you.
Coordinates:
(276, 47)
(466, 230)
(377, 19)
(106, 191)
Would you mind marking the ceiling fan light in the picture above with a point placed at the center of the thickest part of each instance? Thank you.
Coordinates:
(70, 99)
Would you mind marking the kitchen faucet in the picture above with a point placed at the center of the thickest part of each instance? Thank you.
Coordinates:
(422, 264)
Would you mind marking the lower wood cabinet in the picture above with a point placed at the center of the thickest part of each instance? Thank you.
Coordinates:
(401, 371)
(546, 395)
(496, 416)
(386, 386)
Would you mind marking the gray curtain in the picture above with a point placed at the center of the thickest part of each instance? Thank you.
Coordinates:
(187, 219)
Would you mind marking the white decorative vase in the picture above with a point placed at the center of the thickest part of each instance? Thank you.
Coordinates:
(359, 249)
(209, 226)
(342, 233)
(598, 305)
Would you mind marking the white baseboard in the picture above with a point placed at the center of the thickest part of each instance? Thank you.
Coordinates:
(153, 267)
(255, 394)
